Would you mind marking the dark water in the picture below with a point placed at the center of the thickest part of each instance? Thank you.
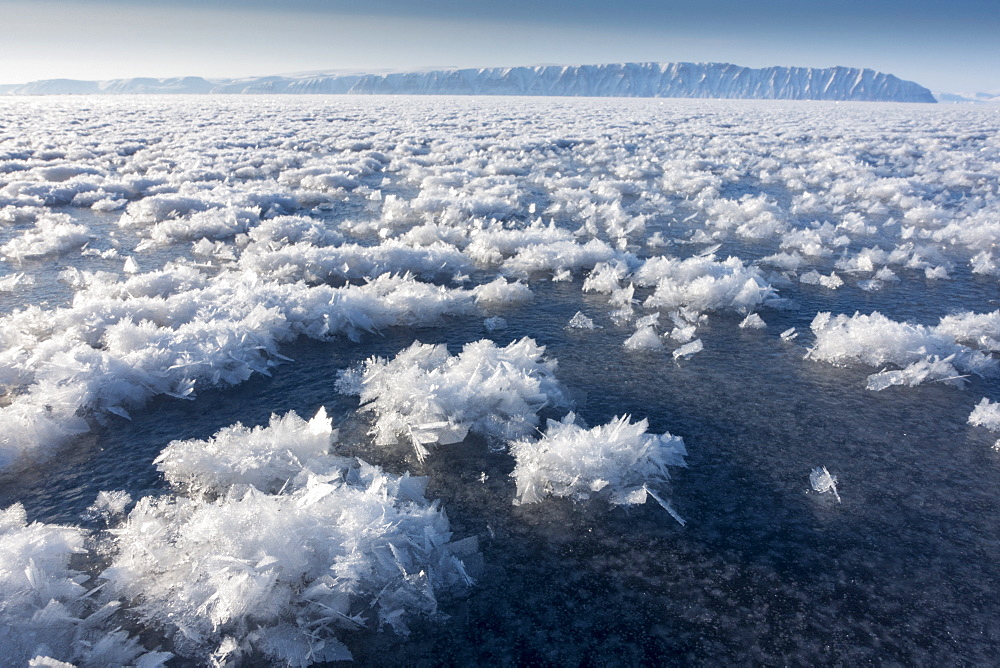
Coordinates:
(905, 570)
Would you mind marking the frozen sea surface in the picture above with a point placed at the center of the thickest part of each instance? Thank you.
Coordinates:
(766, 570)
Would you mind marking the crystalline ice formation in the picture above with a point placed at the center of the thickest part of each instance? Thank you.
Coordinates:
(622, 297)
(703, 284)
(815, 278)
(987, 414)
(581, 321)
(936, 273)
(108, 505)
(243, 572)
(502, 293)
(558, 256)
(619, 459)
(683, 333)
(606, 277)
(427, 396)
(930, 368)
(214, 224)
(495, 324)
(688, 349)
(645, 338)
(9, 283)
(922, 353)
(979, 329)
(283, 230)
(45, 610)
(265, 457)
(174, 331)
(823, 482)
(159, 208)
(52, 234)
(493, 244)
(316, 264)
(865, 261)
(752, 321)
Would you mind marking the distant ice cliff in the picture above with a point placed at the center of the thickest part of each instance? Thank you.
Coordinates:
(693, 80)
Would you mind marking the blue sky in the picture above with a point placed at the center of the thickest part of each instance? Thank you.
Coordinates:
(948, 46)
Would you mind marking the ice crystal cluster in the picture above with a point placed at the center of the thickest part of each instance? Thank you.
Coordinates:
(47, 613)
(922, 353)
(268, 546)
(619, 460)
(427, 397)
(823, 482)
(271, 545)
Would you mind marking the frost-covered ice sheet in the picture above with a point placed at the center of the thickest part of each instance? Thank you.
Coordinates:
(176, 271)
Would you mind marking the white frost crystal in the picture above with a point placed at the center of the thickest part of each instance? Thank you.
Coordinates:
(495, 324)
(752, 321)
(46, 612)
(243, 572)
(703, 284)
(823, 482)
(688, 349)
(429, 397)
(52, 234)
(921, 353)
(108, 505)
(581, 321)
(265, 457)
(645, 338)
(986, 414)
(618, 458)
(174, 332)
(815, 278)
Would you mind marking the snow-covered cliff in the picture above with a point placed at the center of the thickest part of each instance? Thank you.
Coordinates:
(696, 80)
